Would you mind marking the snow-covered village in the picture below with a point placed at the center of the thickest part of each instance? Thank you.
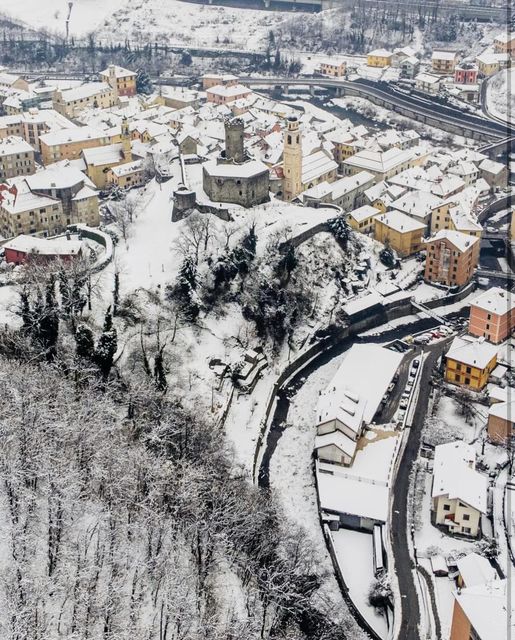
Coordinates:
(256, 320)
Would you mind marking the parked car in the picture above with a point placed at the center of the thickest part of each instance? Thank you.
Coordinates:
(391, 387)
(403, 403)
(410, 383)
(401, 414)
(416, 363)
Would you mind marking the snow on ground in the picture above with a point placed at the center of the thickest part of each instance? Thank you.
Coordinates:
(443, 588)
(192, 24)
(291, 473)
(355, 554)
(501, 95)
(85, 15)
(8, 304)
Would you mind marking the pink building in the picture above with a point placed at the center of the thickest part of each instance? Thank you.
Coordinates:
(466, 73)
(492, 315)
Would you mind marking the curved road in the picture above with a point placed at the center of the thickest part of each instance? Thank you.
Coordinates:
(437, 113)
(399, 517)
(404, 565)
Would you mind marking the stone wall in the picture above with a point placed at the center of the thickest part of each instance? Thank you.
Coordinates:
(246, 192)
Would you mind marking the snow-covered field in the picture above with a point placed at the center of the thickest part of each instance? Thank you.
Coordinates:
(169, 21)
(354, 550)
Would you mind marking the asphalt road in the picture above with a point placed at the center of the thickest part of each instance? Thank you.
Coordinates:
(399, 517)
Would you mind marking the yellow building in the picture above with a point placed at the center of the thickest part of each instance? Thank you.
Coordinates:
(379, 58)
(23, 211)
(488, 64)
(71, 102)
(100, 160)
(399, 231)
(362, 219)
(470, 361)
(122, 81)
(451, 217)
(127, 175)
(68, 144)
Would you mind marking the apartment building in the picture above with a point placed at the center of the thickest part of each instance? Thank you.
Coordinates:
(452, 257)
(16, 158)
(470, 361)
(444, 62)
(68, 144)
(492, 315)
(122, 81)
(70, 102)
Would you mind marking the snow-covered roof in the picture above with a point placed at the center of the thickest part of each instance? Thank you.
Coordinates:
(364, 374)
(229, 170)
(127, 168)
(487, 58)
(474, 352)
(400, 222)
(417, 204)
(443, 55)
(485, 606)
(380, 53)
(118, 72)
(84, 91)
(24, 199)
(72, 134)
(475, 570)
(380, 161)
(461, 241)
(462, 221)
(339, 440)
(454, 475)
(350, 183)
(316, 165)
(495, 300)
(427, 78)
(229, 91)
(363, 213)
(57, 178)
(351, 495)
(45, 246)
(14, 144)
(503, 410)
(505, 37)
(99, 156)
(491, 166)
(343, 404)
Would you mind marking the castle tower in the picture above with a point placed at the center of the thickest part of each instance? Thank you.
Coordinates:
(126, 141)
(292, 160)
(234, 146)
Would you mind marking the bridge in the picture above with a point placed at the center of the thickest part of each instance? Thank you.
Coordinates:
(426, 111)
(431, 7)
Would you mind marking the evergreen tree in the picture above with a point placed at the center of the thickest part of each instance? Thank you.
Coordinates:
(25, 311)
(106, 346)
(144, 83)
(85, 344)
(277, 59)
(49, 322)
(116, 293)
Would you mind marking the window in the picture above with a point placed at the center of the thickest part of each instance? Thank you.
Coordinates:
(466, 529)
(446, 507)
(457, 377)
(468, 370)
(466, 516)
(467, 380)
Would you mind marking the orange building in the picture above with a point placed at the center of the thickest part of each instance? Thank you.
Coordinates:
(492, 315)
(68, 144)
(333, 69)
(451, 258)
